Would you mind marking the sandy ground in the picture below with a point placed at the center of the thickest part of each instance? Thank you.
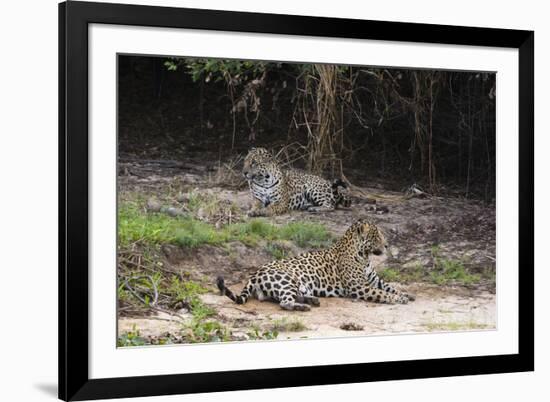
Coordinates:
(436, 309)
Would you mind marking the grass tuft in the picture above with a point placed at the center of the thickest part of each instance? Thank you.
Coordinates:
(448, 271)
(404, 275)
(277, 251)
(192, 233)
(136, 225)
(443, 272)
(305, 234)
(452, 271)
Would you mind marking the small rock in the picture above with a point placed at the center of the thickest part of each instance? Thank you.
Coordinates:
(201, 214)
(240, 336)
(351, 326)
(173, 211)
(153, 205)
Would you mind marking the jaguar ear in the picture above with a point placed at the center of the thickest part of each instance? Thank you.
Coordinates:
(366, 226)
(361, 222)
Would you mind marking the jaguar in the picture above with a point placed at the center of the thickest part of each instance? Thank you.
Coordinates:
(279, 191)
(343, 270)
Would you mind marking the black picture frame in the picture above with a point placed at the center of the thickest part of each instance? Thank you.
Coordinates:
(74, 381)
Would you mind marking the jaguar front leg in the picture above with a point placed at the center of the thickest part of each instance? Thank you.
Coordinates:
(257, 209)
(324, 206)
(366, 292)
(375, 281)
(311, 300)
(270, 210)
(323, 200)
(317, 209)
(290, 300)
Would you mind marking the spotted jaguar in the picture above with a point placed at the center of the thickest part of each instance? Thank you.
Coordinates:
(279, 191)
(343, 270)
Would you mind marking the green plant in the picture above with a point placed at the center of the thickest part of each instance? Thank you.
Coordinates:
(135, 225)
(184, 290)
(277, 251)
(452, 271)
(445, 271)
(122, 293)
(188, 292)
(216, 69)
(389, 275)
(415, 273)
(435, 250)
(194, 200)
(131, 338)
(199, 331)
(306, 234)
(253, 230)
(200, 310)
(192, 233)
(257, 334)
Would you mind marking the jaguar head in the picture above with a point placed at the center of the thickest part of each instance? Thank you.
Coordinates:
(370, 239)
(256, 166)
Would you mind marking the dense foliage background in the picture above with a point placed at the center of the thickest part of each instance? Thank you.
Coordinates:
(432, 128)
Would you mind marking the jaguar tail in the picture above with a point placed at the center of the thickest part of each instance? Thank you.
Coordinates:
(242, 298)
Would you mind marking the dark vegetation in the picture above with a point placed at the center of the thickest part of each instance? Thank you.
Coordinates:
(432, 128)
